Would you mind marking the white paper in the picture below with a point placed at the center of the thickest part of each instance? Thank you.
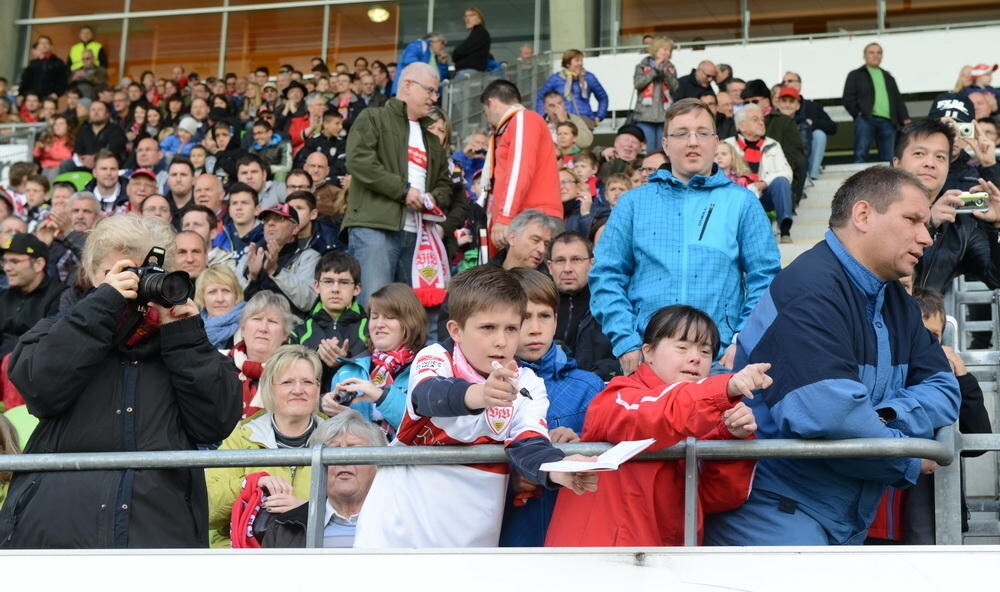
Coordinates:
(609, 461)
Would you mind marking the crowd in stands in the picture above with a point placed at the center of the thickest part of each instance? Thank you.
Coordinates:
(353, 275)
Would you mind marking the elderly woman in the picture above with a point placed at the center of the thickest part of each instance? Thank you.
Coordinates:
(346, 488)
(655, 82)
(577, 87)
(219, 296)
(264, 325)
(289, 390)
(108, 377)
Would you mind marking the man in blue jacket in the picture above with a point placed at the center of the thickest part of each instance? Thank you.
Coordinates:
(429, 49)
(689, 236)
(851, 359)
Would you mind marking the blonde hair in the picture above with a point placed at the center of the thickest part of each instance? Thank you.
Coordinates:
(216, 274)
(129, 234)
(660, 42)
(739, 165)
(619, 178)
(959, 85)
(9, 443)
(280, 361)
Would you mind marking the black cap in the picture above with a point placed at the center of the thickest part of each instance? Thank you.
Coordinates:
(755, 88)
(953, 105)
(23, 243)
(632, 130)
(294, 84)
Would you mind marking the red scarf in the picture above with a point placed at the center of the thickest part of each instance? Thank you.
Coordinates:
(646, 98)
(386, 366)
(150, 324)
(429, 268)
(751, 153)
(250, 373)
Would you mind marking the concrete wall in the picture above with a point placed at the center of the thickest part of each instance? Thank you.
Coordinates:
(10, 63)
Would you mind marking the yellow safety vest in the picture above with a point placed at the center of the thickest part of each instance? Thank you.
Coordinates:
(76, 54)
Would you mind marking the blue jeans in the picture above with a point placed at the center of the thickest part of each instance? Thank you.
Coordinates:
(878, 129)
(380, 254)
(778, 197)
(816, 156)
(653, 133)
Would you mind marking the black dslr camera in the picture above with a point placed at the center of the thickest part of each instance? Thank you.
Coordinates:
(160, 286)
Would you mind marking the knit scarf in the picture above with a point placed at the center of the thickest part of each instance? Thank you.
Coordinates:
(646, 96)
(250, 373)
(569, 77)
(751, 152)
(221, 328)
(429, 269)
(149, 324)
(386, 366)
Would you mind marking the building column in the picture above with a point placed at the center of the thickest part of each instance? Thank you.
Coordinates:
(573, 24)
(10, 57)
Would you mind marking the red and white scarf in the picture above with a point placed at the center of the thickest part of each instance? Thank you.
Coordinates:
(386, 366)
(429, 270)
(250, 373)
(646, 97)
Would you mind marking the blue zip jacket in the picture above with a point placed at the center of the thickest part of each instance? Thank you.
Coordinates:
(579, 105)
(851, 359)
(570, 391)
(416, 51)
(707, 244)
(394, 405)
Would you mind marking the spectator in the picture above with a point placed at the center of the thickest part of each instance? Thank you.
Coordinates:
(827, 311)
(569, 391)
(723, 270)
(446, 395)
(566, 137)
(368, 94)
(346, 101)
(329, 140)
(87, 43)
(579, 207)
(982, 79)
(671, 397)
(655, 82)
(379, 379)
(732, 164)
(330, 199)
(36, 195)
(31, 294)
(346, 488)
(141, 184)
(55, 146)
(209, 193)
(182, 140)
(203, 221)
(815, 116)
(168, 383)
(734, 88)
(783, 130)
(147, 155)
(699, 80)
(158, 206)
(616, 185)
(518, 164)
(180, 183)
(219, 297)
(253, 171)
(527, 239)
(9, 444)
(472, 156)
(45, 74)
(97, 134)
(272, 148)
(651, 163)
(473, 53)
(576, 86)
(289, 391)
(107, 186)
(277, 263)
(385, 199)
(555, 113)
(242, 227)
(771, 172)
(192, 253)
(313, 233)
(874, 101)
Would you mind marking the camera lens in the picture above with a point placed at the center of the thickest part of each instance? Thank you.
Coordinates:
(166, 289)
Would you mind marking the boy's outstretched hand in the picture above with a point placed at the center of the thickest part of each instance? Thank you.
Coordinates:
(577, 482)
(749, 379)
(739, 420)
(497, 391)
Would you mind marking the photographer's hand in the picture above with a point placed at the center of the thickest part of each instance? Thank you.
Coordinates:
(126, 282)
(176, 313)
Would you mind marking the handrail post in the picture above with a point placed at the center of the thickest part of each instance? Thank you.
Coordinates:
(948, 492)
(690, 492)
(317, 499)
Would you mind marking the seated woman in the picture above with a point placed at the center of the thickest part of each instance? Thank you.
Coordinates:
(397, 325)
(219, 296)
(577, 87)
(264, 325)
(289, 391)
(670, 397)
(346, 488)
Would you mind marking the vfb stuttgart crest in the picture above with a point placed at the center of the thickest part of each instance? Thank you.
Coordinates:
(499, 418)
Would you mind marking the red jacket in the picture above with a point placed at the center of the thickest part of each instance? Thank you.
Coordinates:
(642, 503)
(524, 174)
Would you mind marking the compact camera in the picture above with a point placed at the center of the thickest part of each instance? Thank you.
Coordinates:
(965, 131)
(343, 397)
(160, 286)
(974, 202)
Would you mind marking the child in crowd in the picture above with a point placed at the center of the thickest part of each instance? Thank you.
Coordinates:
(670, 397)
(566, 135)
(36, 196)
(569, 389)
(467, 391)
(17, 175)
(337, 326)
(242, 228)
(585, 164)
(907, 515)
(330, 141)
(616, 185)
(379, 379)
(734, 167)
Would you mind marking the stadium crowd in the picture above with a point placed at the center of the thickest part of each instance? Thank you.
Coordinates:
(351, 274)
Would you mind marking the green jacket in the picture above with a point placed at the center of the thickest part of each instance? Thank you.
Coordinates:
(377, 162)
(783, 129)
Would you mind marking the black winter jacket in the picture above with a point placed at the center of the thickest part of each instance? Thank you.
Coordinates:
(45, 76)
(474, 52)
(19, 311)
(93, 393)
(859, 95)
(581, 335)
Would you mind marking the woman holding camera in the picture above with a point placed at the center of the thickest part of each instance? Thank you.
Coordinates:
(119, 373)
(289, 389)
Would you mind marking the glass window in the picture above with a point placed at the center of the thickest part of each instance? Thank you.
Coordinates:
(681, 20)
(159, 44)
(141, 5)
(354, 34)
(273, 37)
(510, 23)
(65, 35)
(53, 8)
(912, 13)
(773, 18)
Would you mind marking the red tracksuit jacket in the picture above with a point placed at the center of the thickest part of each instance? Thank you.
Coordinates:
(526, 175)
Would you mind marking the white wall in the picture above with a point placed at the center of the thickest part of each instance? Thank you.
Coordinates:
(920, 61)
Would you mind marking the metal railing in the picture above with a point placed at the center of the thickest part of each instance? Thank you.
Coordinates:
(17, 144)
(940, 450)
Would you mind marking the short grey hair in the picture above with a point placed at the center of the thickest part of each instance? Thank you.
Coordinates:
(519, 223)
(741, 115)
(313, 96)
(264, 300)
(419, 70)
(84, 196)
(435, 37)
(347, 422)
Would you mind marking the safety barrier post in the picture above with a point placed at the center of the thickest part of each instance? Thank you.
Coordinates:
(690, 492)
(317, 499)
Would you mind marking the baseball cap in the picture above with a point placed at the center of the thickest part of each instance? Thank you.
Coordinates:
(146, 172)
(755, 88)
(23, 243)
(983, 69)
(632, 130)
(269, 85)
(789, 92)
(283, 210)
(952, 105)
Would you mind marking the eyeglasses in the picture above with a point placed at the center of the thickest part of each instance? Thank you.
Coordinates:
(430, 89)
(755, 101)
(306, 383)
(328, 283)
(574, 261)
(791, 80)
(702, 135)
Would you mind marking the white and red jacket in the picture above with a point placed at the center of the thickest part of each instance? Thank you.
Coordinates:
(454, 505)
(519, 167)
